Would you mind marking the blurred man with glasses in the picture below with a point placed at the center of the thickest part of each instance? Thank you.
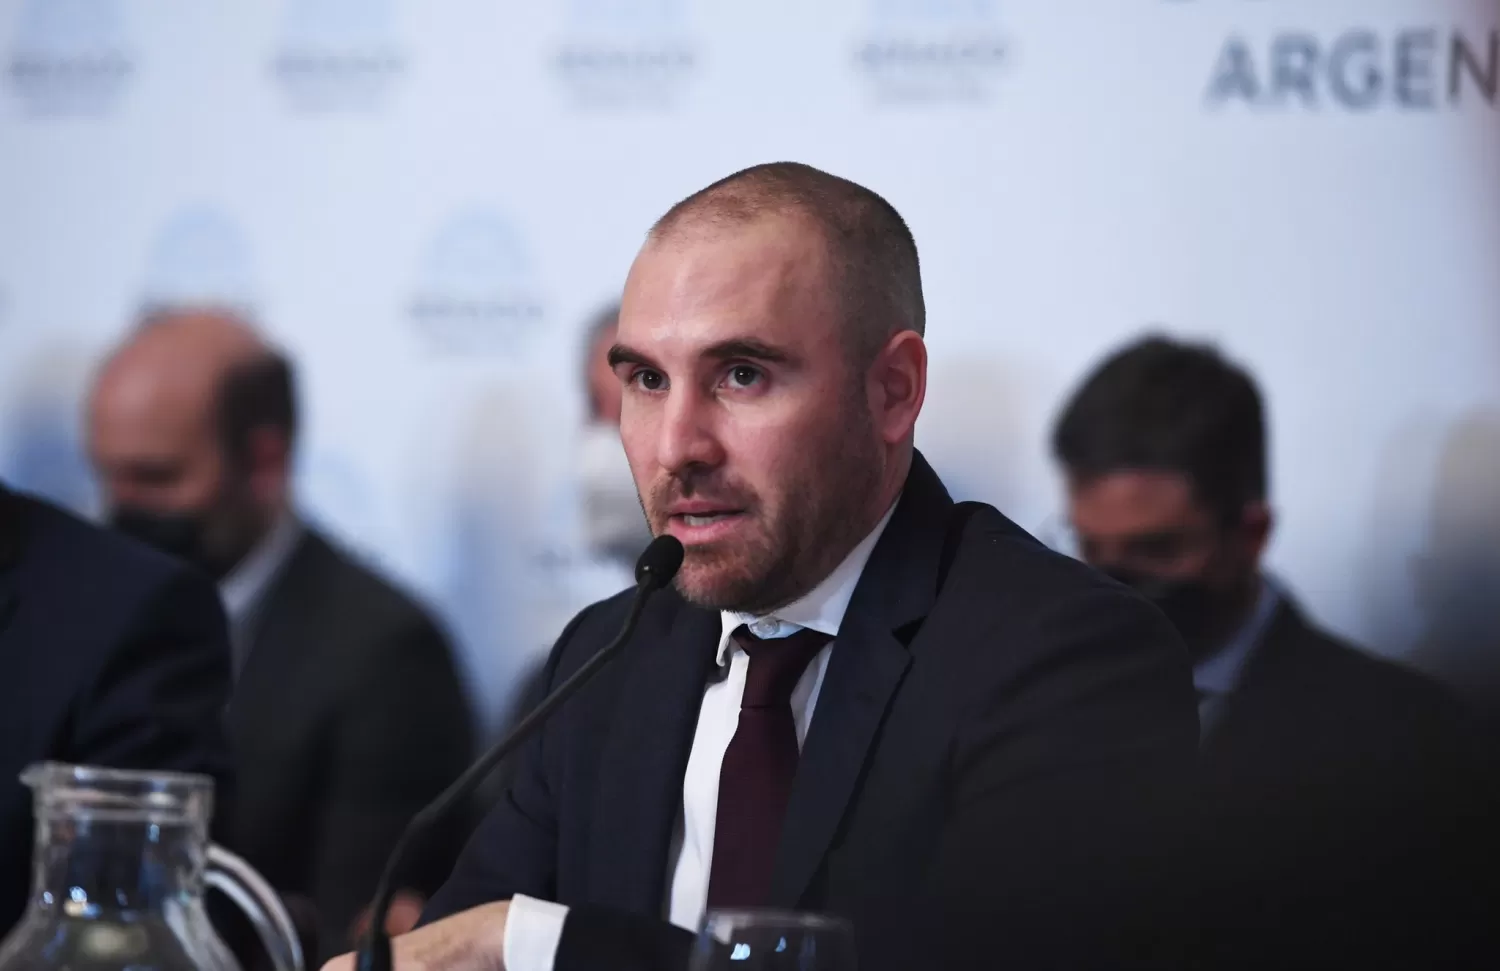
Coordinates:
(1336, 785)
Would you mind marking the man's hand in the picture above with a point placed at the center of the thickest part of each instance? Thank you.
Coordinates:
(473, 939)
(406, 910)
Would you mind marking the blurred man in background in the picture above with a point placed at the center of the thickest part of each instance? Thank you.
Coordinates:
(110, 654)
(1334, 782)
(614, 527)
(347, 714)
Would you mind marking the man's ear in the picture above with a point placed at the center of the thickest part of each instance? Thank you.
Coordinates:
(897, 386)
(1256, 524)
(268, 454)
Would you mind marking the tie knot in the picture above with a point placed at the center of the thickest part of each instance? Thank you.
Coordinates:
(776, 664)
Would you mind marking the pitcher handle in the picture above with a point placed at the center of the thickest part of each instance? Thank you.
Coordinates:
(238, 881)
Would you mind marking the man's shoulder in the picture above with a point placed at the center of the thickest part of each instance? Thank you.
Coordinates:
(59, 553)
(1343, 672)
(598, 623)
(355, 592)
(999, 569)
(1307, 683)
(79, 585)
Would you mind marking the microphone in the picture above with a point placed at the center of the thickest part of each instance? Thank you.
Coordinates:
(657, 565)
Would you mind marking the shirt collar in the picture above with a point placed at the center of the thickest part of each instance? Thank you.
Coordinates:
(1219, 673)
(247, 582)
(821, 609)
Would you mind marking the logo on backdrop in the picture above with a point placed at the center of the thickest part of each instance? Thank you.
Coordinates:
(200, 257)
(476, 290)
(70, 58)
(1358, 70)
(925, 51)
(625, 53)
(338, 55)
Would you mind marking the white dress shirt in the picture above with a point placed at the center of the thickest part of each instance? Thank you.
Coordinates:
(534, 927)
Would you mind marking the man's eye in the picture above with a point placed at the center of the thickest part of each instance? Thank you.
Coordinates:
(649, 380)
(743, 375)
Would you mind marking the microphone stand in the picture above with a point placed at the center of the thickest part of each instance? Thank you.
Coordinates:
(654, 570)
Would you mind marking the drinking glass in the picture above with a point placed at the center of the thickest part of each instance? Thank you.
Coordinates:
(765, 940)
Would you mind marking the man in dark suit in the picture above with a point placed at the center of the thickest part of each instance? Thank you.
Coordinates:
(347, 713)
(111, 654)
(1338, 787)
(859, 698)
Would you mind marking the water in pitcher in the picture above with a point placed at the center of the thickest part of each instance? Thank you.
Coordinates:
(119, 869)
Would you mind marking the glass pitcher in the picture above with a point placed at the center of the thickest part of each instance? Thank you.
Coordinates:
(118, 873)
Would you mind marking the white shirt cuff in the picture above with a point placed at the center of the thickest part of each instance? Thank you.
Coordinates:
(533, 929)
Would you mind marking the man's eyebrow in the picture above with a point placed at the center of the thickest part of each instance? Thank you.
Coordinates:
(620, 354)
(739, 347)
(747, 347)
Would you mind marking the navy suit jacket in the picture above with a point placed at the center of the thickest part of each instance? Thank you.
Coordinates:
(1347, 816)
(990, 774)
(110, 654)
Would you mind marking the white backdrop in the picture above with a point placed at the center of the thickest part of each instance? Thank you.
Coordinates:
(425, 201)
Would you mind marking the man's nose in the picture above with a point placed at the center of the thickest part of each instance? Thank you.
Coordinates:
(688, 434)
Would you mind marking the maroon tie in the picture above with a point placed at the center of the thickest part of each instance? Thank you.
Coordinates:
(755, 780)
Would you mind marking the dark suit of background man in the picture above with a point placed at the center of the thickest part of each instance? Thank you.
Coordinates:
(347, 714)
(110, 654)
(984, 726)
(1337, 800)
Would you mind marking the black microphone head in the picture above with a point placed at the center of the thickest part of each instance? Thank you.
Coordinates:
(659, 562)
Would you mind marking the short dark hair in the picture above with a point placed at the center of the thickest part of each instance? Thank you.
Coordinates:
(255, 394)
(1169, 406)
(869, 244)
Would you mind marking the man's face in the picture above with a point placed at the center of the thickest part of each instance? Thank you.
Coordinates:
(749, 437)
(1149, 529)
(165, 478)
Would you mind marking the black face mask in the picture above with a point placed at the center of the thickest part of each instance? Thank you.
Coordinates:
(1201, 613)
(179, 534)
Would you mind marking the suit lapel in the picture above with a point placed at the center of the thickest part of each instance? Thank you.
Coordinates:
(643, 762)
(274, 647)
(864, 670)
(869, 660)
(1261, 695)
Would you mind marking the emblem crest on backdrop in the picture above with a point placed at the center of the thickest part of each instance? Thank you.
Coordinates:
(70, 58)
(338, 55)
(932, 51)
(622, 54)
(476, 290)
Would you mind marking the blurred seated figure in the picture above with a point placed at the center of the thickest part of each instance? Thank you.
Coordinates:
(347, 713)
(1337, 786)
(613, 529)
(110, 654)
(614, 526)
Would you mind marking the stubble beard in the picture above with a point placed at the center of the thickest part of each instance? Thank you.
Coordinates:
(821, 514)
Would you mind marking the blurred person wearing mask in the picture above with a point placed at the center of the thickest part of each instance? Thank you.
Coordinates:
(1335, 784)
(614, 526)
(347, 714)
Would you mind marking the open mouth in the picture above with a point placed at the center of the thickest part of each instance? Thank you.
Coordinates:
(703, 526)
(706, 519)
